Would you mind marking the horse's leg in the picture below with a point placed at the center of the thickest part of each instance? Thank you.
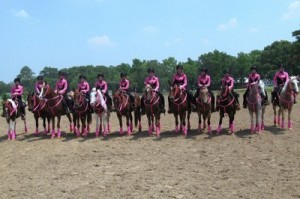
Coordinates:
(176, 123)
(83, 123)
(97, 125)
(252, 129)
(149, 117)
(258, 118)
(278, 116)
(53, 127)
(220, 122)
(282, 117)
(70, 121)
(104, 120)
(121, 124)
(108, 122)
(9, 131)
(13, 129)
(199, 122)
(157, 123)
(208, 123)
(128, 121)
(188, 119)
(76, 125)
(183, 119)
(58, 126)
(36, 118)
(262, 127)
(231, 118)
(289, 118)
(48, 129)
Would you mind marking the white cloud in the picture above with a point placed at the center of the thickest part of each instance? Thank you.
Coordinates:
(293, 11)
(253, 30)
(20, 13)
(102, 40)
(150, 29)
(232, 23)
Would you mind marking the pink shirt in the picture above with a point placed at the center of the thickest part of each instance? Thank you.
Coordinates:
(253, 77)
(83, 87)
(16, 90)
(153, 82)
(124, 84)
(228, 81)
(38, 87)
(280, 78)
(61, 86)
(204, 80)
(102, 85)
(180, 80)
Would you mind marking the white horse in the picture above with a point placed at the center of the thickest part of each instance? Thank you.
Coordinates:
(101, 110)
(255, 106)
(286, 100)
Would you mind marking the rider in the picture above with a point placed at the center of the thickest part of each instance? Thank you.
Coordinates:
(153, 81)
(279, 80)
(181, 80)
(124, 85)
(61, 89)
(102, 85)
(16, 95)
(39, 84)
(254, 77)
(204, 80)
(227, 80)
(84, 87)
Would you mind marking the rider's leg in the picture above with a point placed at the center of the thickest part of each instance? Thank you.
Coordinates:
(236, 96)
(161, 102)
(170, 106)
(212, 102)
(244, 98)
(142, 105)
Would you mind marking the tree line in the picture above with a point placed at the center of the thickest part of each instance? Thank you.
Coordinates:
(267, 60)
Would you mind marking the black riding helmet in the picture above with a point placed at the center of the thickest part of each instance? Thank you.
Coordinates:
(280, 66)
(123, 75)
(82, 76)
(179, 67)
(254, 68)
(40, 77)
(203, 69)
(100, 75)
(226, 71)
(17, 80)
(61, 73)
(150, 70)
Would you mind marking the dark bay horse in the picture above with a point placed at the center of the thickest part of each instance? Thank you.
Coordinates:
(55, 107)
(286, 101)
(11, 113)
(152, 109)
(178, 99)
(203, 104)
(102, 112)
(81, 113)
(39, 109)
(123, 108)
(226, 103)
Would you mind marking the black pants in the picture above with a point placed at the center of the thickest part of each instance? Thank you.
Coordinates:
(109, 100)
(21, 105)
(274, 94)
(131, 96)
(236, 96)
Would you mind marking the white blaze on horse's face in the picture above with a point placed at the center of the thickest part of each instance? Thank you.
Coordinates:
(261, 86)
(295, 84)
(93, 97)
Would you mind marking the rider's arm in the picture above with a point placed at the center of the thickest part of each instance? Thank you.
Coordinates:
(231, 84)
(208, 81)
(157, 84)
(104, 90)
(65, 87)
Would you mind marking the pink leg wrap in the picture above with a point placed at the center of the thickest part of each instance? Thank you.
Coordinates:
(58, 133)
(157, 131)
(184, 129)
(128, 130)
(97, 132)
(13, 135)
(176, 129)
(53, 134)
(219, 129)
(121, 131)
(290, 124)
(8, 135)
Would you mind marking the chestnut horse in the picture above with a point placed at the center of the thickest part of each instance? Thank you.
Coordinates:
(55, 107)
(102, 112)
(38, 107)
(226, 105)
(178, 99)
(81, 113)
(286, 101)
(11, 113)
(123, 107)
(203, 104)
(152, 109)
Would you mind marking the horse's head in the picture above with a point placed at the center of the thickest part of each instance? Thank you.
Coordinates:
(294, 84)
(174, 91)
(45, 90)
(9, 108)
(77, 97)
(203, 94)
(224, 92)
(96, 98)
(31, 101)
(253, 88)
(148, 92)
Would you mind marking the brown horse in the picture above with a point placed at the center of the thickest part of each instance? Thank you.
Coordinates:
(11, 113)
(286, 101)
(123, 108)
(178, 99)
(55, 107)
(203, 104)
(39, 109)
(226, 103)
(81, 113)
(152, 109)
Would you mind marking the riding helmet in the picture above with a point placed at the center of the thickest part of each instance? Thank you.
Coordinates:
(150, 70)
(204, 69)
(254, 68)
(226, 71)
(82, 76)
(100, 75)
(123, 75)
(61, 73)
(17, 80)
(179, 66)
(40, 77)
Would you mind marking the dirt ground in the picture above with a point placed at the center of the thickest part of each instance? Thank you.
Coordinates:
(141, 166)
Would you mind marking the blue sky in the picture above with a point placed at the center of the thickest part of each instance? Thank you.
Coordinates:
(66, 33)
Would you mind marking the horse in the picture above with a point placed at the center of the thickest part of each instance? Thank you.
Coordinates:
(178, 101)
(38, 107)
(152, 109)
(286, 101)
(123, 107)
(102, 112)
(81, 113)
(11, 113)
(226, 105)
(54, 105)
(255, 106)
(203, 105)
